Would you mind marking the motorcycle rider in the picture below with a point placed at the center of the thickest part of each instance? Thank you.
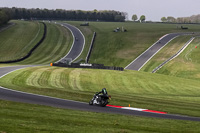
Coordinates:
(103, 91)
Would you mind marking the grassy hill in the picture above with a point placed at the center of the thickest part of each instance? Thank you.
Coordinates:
(56, 45)
(169, 50)
(16, 41)
(187, 64)
(119, 49)
(175, 95)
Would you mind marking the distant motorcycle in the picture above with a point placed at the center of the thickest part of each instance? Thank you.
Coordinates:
(101, 100)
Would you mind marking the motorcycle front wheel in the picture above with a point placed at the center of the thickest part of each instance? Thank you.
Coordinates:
(91, 102)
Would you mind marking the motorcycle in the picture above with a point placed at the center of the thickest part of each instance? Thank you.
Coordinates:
(101, 100)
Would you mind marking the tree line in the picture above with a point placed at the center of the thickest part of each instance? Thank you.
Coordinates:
(61, 14)
(191, 19)
(4, 16)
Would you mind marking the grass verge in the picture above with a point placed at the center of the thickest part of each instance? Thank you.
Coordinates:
(139, 89)
(20, 117)
(187, 64)
(169, 50)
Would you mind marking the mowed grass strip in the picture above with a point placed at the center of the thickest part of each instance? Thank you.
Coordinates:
(121, 48)
(165, 53)
(139, 89)
(21, 117)
(187, 64)
(56, 45)
(17, 41)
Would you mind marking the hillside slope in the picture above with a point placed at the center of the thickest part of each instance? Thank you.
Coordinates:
(16, 41)
(187, 64)
(119, 49)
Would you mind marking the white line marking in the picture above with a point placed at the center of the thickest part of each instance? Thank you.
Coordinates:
(40, 95)
(13, 70)
(174, 56)
(73, 41)
(83, 43)
(145, 51)
(130, 108)
(32, 93)
(157, 52)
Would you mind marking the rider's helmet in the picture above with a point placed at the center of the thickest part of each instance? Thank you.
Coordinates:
(104, 91)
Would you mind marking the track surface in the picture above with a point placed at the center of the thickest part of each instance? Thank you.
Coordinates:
(141, 60)
(78, 44)
(17, 96)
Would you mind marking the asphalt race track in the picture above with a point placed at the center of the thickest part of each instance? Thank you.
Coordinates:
(141, 60)
(78, 44)
(17, 96)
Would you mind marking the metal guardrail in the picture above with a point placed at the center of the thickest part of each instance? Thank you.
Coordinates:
(174, 56)
(91, 47)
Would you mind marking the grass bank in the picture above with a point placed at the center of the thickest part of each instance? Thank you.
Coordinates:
(17, 40)
(169, 50)
(187, 64)
(140, 89)
(119, 49)
(56, 45)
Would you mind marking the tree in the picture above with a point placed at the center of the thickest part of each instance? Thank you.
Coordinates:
(164, 19)
(134, 17)
(4, 16)
(119, 18)
(171, 19)
(142, 18)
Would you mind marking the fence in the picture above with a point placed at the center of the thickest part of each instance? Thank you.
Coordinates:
(91, 47)
(91, 66)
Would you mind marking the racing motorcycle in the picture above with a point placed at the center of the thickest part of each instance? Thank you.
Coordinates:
(101, 100)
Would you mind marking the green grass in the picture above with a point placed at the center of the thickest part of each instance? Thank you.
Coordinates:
(119, 49)
(56, 45)
(171, 94)
(140, 89)
(169, 50)
(186, 65)
(20, 117)
(17, 40)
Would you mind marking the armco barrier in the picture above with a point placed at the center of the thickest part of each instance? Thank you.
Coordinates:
(91, 47)
(31, 51)
(91, 66)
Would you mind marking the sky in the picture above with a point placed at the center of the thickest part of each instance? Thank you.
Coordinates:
(152, 9)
